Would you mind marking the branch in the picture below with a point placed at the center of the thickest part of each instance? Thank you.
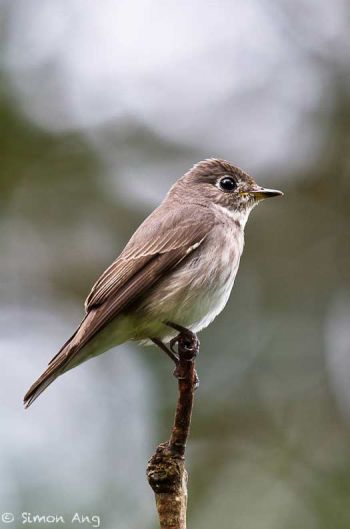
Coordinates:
(166, 471)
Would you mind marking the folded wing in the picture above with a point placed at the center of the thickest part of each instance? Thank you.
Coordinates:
(160, 244)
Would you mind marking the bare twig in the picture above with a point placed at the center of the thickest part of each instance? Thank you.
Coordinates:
(166, 469)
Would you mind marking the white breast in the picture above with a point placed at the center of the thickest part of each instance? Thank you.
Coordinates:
(221, 267)
(199, 290)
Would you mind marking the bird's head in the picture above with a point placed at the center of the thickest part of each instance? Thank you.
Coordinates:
(221, 184)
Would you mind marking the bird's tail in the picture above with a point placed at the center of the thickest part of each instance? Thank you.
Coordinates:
(57, 366)
(75, 351)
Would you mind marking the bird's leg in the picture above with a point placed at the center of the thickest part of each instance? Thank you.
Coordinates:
(188, 338)
(189, 341)
(172, 354)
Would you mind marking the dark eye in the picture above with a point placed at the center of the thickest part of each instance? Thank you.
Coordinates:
(227, 183)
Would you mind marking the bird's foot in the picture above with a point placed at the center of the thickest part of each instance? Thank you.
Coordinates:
(171, 354)
(186, 340)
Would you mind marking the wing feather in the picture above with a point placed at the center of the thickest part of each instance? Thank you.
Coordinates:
(160, 244)
(134, 271)
(156, 236)
(134, 288)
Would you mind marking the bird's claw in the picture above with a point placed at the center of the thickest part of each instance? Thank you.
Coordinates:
(186, 339)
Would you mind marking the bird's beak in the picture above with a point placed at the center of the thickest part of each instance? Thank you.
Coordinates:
(260, 193)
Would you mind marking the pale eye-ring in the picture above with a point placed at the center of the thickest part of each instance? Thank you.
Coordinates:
(227, 183)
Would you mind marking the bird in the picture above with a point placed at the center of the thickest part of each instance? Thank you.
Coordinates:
(175, 273)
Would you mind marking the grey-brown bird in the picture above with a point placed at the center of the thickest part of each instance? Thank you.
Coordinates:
(179, 266)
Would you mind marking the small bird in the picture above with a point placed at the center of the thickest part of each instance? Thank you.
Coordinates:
(176, 271)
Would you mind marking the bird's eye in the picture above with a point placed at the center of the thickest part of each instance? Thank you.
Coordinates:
(227, 183)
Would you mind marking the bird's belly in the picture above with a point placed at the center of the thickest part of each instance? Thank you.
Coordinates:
(206, 305)
(191, 296)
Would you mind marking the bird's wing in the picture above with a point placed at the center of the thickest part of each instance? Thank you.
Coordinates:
(161, 243)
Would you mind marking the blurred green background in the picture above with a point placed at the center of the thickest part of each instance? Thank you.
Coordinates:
(102, 106)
